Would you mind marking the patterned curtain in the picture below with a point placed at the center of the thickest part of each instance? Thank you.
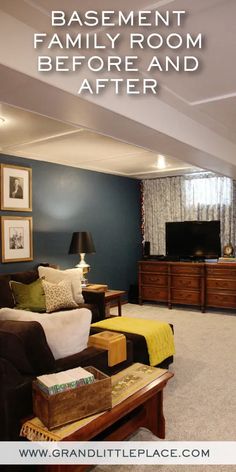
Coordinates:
(162, 201)
(202, 196)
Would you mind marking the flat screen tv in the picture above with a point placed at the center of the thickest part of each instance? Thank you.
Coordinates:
(193, 239)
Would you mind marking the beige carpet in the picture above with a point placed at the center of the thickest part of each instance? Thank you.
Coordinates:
(200, 401)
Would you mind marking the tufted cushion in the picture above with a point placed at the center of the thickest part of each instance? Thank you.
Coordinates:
(71, 275)
(58, 296)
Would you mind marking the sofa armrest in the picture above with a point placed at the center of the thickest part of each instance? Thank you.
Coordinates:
(94, 310)
(12, 350)
(98, 300)
(15, 400)
(24, 344)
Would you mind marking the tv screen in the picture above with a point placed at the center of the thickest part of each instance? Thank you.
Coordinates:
(198, 239)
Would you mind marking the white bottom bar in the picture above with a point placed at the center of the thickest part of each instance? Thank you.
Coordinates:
(129, 452)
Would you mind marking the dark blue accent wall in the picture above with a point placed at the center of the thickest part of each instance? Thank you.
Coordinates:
(67, 199)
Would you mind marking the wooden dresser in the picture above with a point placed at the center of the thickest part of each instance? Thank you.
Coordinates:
(188, 283)
(221, 285)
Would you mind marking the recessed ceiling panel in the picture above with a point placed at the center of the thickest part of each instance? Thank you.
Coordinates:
(34, 136)
(79, 147)
(23, 127)
(138, 163)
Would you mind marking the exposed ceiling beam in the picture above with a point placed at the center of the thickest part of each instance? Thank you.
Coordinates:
(81, 113)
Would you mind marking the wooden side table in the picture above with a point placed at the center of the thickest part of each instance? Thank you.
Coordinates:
(116, 296)
(115, 343)
(110, 296)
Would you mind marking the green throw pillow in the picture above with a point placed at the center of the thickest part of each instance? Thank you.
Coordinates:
(29, 297)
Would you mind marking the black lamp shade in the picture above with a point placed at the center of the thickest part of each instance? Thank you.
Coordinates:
(81, 242)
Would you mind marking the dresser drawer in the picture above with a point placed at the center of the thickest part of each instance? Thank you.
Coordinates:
(221, 300)
(155, 294)
(227, 272)
(154, 279)
(186, 282)
(185, 297)
(221, 284)
(153, 267)
(191, 269)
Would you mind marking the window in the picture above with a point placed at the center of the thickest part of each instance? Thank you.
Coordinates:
(208, 191)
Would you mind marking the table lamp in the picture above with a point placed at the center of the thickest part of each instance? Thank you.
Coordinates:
(82, 243)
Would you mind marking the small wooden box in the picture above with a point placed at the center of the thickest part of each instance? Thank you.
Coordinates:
(72, 405)
(115, 343)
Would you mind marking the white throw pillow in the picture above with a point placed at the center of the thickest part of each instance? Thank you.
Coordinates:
(66, 332)
(74, 276)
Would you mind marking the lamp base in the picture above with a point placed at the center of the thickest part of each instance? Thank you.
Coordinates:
(85, 269)
(84, 282)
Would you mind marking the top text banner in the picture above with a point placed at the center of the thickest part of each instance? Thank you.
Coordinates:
(125, 51)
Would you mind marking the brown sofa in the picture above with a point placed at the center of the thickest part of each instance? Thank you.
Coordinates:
(93, 300)
(25, 354)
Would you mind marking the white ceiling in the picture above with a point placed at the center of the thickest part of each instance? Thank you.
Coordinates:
(29, 135)
(192, 120)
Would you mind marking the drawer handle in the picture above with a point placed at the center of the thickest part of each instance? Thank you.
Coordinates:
(185, 283)
(186, 296)
(153, 279)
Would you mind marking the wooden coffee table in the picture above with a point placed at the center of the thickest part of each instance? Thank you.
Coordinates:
(143, 408)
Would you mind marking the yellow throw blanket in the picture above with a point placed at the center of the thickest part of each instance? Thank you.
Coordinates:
(158, 335)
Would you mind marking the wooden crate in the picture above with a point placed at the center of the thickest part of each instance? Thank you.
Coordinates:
(114, 342)
(72, 405)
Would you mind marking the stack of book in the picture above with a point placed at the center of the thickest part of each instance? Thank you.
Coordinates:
(97, 287)
(213, 261)
(62, 381)
(227, 259)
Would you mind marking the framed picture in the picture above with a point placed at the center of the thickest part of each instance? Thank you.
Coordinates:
(16, 188)
(16, 238)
